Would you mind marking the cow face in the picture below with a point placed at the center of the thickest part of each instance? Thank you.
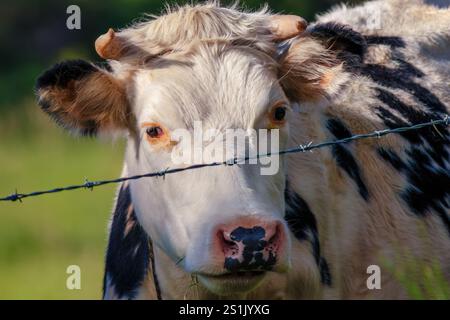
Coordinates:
(224, 223)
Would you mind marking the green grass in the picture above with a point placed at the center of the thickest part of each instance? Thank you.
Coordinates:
(42, 236)
(422, 280)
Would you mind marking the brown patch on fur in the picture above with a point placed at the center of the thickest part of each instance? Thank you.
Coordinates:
(97, 101)
(327, 79)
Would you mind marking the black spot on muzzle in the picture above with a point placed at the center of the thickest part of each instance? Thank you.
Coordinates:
(252, 256)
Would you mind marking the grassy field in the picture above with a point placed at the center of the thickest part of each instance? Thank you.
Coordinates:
(42, 236)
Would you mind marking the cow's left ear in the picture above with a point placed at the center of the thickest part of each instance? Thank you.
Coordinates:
(313, 65)
(83, 97)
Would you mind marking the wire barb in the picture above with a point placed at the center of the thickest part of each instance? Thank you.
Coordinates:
(163, 173)
(305, 147)
(89, 185)
(15, 197)
(231, 162)
(300, 148)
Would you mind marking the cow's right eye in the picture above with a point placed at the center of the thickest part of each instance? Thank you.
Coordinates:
(156, 133)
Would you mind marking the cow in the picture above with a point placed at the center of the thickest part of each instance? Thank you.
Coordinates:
(315, 228)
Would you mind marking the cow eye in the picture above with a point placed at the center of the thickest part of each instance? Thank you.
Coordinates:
(157, 134)
(279, 113)
(154, 132)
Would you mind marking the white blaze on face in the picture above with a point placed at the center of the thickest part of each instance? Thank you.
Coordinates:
(219, 90)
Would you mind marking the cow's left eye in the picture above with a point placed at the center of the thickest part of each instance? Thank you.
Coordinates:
(278, 115)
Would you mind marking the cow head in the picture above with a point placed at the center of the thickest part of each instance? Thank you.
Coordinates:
(225, 70)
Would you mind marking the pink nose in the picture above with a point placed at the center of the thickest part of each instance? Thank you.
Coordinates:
(250, 244)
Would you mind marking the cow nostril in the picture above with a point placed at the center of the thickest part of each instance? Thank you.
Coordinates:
(228, 245)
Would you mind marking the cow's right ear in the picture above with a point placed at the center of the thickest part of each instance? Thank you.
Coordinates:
(83, 97)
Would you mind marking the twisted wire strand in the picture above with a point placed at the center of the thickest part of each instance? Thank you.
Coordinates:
(297, 149)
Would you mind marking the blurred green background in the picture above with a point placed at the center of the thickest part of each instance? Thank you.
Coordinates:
(42, 236)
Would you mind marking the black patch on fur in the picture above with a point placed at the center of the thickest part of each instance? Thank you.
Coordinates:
(424, 166)
(62, 73)
(303, 225)
(412, 115)
(104, 65)
(338, 129)
(429, 185)
(408, 112)
(128, 254)
(403, 78)
(301, 220)
(340, 37)
(392, 158)
(59, 76)
(344, 157)
(325, 274)
(393, 42)
(425, 160)
(347, 162)
(91, 129)
(254, 243)
(408, 68)
(392, 121)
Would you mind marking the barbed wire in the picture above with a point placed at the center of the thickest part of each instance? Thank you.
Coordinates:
(297, 149)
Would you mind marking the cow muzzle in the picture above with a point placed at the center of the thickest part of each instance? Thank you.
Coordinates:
(247, 249)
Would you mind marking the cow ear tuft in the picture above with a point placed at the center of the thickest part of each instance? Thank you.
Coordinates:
(316, 63)
(309, 72)
(83, 97)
